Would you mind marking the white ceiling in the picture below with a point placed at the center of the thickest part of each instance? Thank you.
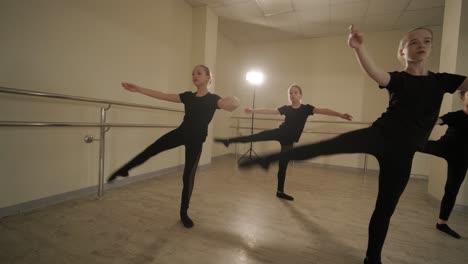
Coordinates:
(255, 21)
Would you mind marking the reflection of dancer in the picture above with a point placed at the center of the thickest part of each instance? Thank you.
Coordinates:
(289, 131)
(199, 110)
(453, 147)
(415, 98)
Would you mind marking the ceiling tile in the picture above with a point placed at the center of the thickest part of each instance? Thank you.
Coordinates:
(282, 20)
(377, 7)
(273, 7)
(423, 4)
(352, 9)
(239, 11)
(380, 22)
(346, 21)
(337, 29)
(243, 21)
(422, 17)
(318, 15)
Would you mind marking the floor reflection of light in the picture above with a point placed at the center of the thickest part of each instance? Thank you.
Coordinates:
(250, 240)
(242, 256)
(248, 228)
(249, 243)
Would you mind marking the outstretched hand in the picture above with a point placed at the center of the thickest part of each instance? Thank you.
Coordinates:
(347, 117)
(248, 110)
(355, 38)
(131, 87)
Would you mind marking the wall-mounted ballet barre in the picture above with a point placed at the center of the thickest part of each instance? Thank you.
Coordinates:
(103, 125)
(309, 121)
(238, 127)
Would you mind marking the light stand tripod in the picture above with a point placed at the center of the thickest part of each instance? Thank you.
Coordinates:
(248, 154)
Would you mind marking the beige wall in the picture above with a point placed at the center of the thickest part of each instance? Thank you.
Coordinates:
(86, 48)
(330, 76)
(228, 77)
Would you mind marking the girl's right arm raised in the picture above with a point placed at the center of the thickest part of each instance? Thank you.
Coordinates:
(152, 93)
(356, 42)
(262, 111)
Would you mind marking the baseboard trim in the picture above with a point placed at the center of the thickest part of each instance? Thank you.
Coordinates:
(335, 167)
(25, 207)
(46, 201)
(59, 198)
(353, 169)
(436, 202)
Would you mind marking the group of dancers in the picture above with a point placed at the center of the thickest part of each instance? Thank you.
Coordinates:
(415, 97)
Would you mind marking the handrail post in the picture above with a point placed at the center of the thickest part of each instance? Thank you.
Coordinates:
(102, 147)
(365, 163)
(237, 134)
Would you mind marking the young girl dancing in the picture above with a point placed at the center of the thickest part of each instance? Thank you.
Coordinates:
(200, 107)
(288, 132)
(453, 147)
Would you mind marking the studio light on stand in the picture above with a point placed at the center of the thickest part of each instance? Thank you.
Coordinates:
(254, 78)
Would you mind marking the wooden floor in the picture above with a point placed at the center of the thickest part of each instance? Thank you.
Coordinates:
(237, 219)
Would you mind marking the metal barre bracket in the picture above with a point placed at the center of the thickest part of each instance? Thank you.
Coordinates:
(90, 139)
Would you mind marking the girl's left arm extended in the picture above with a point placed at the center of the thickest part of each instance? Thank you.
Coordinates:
(329, 112)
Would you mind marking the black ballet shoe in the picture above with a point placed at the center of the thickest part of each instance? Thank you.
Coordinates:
(224, 141)
(282, 195)
(367, 261)
(446, 229)
(120, 172)
(262, 162)
(186, 221)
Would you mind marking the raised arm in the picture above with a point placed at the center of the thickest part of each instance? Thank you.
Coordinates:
(228, 103)
(152, 93)
(262, 111)
(329, 112)
(356, 42)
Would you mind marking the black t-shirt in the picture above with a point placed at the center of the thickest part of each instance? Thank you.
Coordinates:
(457, 131)
(415, 104)
(198, 114)
(295, 119)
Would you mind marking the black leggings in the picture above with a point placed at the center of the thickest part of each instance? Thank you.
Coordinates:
(457, 162)
(395, 160)
(277, 135)
(168, 141)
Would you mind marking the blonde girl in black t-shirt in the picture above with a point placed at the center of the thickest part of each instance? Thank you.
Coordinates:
(288, 132)
(453, 147)
(199, 107)
(415, 97)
